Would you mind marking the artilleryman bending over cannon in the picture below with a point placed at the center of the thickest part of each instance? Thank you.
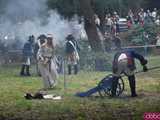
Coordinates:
(113, 85)
(124, 63)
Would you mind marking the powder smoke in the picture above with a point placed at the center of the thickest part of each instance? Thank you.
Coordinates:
(31, 17)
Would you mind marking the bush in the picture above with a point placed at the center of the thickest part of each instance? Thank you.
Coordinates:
(89, 60)
(135, 35)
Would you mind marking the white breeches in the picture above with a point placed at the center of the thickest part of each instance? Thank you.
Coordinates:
(123, 68)
(73, 58)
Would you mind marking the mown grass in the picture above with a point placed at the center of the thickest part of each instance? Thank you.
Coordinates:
(13, 106)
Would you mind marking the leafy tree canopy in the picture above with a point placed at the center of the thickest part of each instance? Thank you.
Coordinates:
(70, 7)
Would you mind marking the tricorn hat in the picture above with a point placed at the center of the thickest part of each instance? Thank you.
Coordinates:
(42, 36)
(70, 37)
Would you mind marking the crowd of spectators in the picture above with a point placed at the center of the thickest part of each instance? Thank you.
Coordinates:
(142, 17)
(112, 24)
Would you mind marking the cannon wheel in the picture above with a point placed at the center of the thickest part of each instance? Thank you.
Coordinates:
(107, 91)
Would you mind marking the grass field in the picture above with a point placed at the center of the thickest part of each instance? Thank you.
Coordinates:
(13, 106)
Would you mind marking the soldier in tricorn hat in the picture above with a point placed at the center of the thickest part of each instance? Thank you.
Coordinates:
(72, 53)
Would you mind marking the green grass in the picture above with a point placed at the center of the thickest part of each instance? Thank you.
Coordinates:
(13, 106)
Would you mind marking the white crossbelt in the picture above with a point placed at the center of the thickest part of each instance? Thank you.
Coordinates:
(122, 57)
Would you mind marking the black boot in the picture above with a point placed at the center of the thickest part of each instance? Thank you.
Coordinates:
(132, 84)
(27, 71)
(22, 70)
(75, 69)
(69, 69)
(114, 86)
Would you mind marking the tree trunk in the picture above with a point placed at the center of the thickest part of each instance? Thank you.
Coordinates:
(90, 25)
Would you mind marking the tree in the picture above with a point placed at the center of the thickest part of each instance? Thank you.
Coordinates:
(153, 4)
(90, 26)
(68, 8)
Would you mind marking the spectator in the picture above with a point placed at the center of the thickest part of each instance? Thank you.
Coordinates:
(108, 23)
(148, 17)
(141, 16)
(158, 40)
(97, 21)
(154, 14)
(129, 22)
(131, 16)
(157, 22)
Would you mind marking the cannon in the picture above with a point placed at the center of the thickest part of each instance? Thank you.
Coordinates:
(104, 87)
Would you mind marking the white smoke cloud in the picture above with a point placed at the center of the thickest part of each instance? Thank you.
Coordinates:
(30, 17)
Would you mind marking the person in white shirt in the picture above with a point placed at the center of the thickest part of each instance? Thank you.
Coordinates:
(157, 22)
(154, 14)
(97, 20)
